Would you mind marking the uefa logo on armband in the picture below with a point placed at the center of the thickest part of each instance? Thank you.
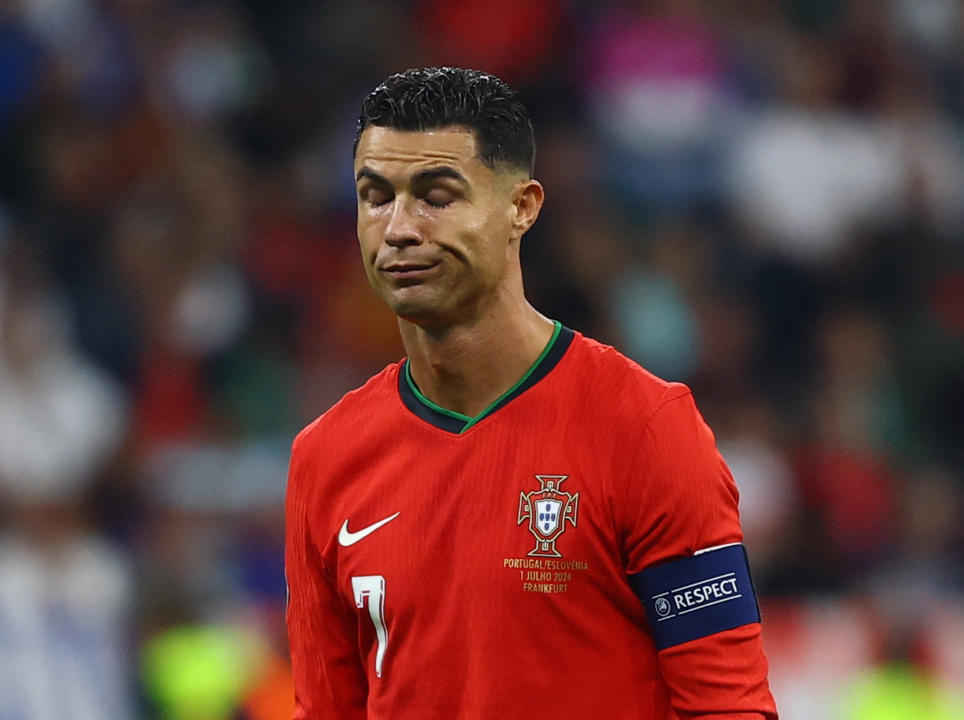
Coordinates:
(547, 510)
(663, 608)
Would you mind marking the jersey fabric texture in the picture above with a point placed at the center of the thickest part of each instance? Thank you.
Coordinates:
(441, 566)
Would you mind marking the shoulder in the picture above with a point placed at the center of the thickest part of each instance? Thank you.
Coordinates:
(355, 411)
(339, 434)
(625, 387)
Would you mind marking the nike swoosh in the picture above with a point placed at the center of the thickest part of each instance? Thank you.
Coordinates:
(346, 538)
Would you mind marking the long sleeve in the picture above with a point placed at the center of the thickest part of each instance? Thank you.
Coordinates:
(330, 683)
(679, 499)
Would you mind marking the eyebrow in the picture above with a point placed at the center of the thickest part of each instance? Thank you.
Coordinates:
(370, 174)
(423, 176)
(440, 172)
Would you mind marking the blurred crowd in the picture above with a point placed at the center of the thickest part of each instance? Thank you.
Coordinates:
(763, 199)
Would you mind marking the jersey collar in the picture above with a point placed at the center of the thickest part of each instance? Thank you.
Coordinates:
(458, 423)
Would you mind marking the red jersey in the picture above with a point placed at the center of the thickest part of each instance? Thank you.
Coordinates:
(441, 566)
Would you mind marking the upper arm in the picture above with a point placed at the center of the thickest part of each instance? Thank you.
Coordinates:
(679, 499)
(328, 675)
(678, 496)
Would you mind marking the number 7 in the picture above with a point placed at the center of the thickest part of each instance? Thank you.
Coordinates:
(373, 587)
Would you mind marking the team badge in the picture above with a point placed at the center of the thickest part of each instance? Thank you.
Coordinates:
(547, 510)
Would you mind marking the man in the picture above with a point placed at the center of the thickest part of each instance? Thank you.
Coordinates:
(515, 521)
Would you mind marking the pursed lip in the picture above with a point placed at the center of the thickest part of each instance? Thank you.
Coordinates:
(407, 269)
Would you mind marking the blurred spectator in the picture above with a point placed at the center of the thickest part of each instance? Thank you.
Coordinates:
(749, 442)
(66, 592)
(654, 302)
(518, 40)
(657, 84)
(60, 419)
(856, 413)
(816, 166)
(22, 67)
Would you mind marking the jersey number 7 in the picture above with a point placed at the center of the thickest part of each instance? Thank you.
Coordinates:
(373, 588)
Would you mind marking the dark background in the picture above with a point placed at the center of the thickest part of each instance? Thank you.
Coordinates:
(762, 199)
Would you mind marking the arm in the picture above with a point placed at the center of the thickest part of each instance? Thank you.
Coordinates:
(329, 679)
(680, 500)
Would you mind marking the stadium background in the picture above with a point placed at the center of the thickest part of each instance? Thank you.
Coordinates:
(763, 199)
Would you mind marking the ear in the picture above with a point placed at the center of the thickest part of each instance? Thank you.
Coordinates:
(527, 199)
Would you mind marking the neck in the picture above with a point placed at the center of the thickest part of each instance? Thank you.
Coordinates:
(466, 367)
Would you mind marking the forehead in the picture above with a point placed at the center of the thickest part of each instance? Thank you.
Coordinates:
(386, 149)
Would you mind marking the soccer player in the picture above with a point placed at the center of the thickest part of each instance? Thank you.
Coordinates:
(515, 521)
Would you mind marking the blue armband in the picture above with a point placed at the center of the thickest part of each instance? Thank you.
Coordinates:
(697, 596)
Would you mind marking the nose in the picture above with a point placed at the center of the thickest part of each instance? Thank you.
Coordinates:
(402, 228)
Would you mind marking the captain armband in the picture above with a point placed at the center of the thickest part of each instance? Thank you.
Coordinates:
(697, 596)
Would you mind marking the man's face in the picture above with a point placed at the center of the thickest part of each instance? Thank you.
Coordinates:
(435, 224)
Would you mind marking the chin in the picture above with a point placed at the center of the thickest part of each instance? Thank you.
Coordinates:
(414, 309)
(424, 307)
(417, 314)
(426, 315)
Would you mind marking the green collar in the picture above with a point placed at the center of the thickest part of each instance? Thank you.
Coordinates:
(458, 423)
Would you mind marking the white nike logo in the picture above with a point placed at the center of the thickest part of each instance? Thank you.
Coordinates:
(346, 538)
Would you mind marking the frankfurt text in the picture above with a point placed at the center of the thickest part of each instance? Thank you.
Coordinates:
(546, 575)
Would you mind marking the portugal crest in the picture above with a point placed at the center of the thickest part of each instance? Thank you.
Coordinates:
(547, 510)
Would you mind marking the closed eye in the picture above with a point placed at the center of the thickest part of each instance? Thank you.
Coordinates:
(374, 196)
(439, 197)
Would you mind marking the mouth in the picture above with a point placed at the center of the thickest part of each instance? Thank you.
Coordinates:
(409, 271)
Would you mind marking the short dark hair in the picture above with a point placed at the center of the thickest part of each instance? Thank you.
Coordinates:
(431, 98)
